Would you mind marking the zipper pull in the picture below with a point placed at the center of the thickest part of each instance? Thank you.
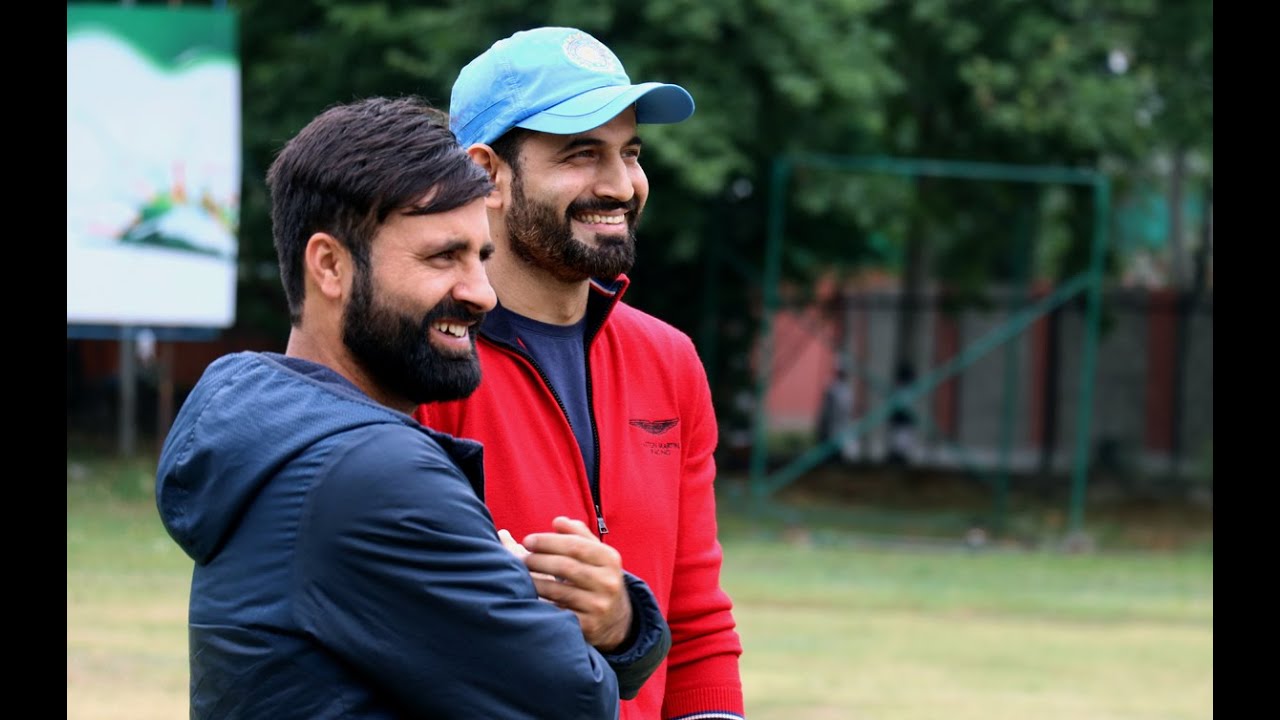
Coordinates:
(600, 526)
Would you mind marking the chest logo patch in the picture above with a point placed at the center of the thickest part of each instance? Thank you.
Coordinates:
(656, 427)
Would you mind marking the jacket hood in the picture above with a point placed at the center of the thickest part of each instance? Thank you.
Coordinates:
(249, 414)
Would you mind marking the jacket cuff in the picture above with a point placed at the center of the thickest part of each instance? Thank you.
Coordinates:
(705, 703)
(634, 663)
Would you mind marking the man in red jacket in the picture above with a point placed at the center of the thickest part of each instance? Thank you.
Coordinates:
(590, 410)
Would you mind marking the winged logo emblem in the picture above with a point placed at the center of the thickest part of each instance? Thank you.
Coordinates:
(656, 427)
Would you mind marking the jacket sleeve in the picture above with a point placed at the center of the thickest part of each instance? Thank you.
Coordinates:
(401, 574)
(635, 663)
(702, 672)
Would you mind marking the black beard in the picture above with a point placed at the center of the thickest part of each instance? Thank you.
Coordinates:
(395, 350)
(540, 237)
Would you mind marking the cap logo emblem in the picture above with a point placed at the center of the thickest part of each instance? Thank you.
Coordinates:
(586, 52)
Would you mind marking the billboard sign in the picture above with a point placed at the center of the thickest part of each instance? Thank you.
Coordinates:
(153, 166)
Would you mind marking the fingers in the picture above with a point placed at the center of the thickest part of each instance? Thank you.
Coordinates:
(519, 551)
(597, 611)
(583, 571)
(573, 569)
(574, 555)
(573, 539)
(571, 526)
(560, 591)
(510, 543)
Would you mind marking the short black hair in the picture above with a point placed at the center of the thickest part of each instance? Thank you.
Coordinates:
(508, 147)
(351, 167)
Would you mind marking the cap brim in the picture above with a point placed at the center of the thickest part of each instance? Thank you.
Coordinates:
(655, 103)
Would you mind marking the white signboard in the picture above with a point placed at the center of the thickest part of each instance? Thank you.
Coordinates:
(153, 166)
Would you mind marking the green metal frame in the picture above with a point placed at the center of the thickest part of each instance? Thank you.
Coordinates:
(1089, 282)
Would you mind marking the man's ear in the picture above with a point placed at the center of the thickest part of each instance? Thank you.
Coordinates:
(328, 265)
(499, 172)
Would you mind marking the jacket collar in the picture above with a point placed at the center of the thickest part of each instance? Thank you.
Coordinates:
(468, 455)
(603, 297)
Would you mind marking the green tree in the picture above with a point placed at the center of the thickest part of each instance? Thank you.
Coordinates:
(996, 80)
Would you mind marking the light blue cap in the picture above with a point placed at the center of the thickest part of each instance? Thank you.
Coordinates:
(553, 80)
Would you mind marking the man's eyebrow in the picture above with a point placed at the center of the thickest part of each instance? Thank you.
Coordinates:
(449, 245)
(581, 141)
(459, 244)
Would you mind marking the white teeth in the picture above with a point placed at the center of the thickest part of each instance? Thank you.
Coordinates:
(451, 329)
(603, 219)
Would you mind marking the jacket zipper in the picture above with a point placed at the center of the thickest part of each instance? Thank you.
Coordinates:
(593, 483)
(601, 528)
(595, 433)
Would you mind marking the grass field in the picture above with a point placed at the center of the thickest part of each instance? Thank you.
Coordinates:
(834, 626)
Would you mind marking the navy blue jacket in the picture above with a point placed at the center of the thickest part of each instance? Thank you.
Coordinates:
(346, 567)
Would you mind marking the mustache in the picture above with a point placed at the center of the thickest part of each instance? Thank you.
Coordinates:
(600, 204)
(450, 309)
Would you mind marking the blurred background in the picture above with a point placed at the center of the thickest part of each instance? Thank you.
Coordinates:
(948, 264)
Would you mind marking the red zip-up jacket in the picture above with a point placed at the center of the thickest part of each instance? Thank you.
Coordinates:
(655, 435)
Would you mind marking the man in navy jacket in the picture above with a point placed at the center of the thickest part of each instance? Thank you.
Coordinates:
(345, 564)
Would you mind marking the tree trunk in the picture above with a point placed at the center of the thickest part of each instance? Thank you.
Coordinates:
(1177, 254)
(906, 340)
(902, 421)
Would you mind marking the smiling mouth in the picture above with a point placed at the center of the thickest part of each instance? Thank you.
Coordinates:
(457, 330)
(594, 219)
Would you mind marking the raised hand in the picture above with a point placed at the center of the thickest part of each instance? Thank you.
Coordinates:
(574, 570)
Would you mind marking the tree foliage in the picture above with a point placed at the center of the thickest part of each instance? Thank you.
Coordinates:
(1064, 82)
